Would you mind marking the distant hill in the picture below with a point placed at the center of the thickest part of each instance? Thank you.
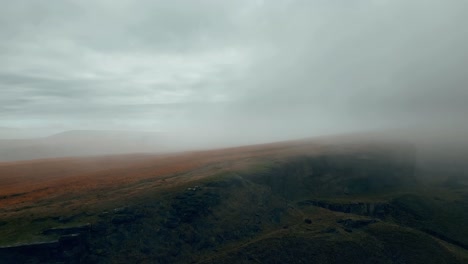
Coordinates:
(22, 133)
(83, 143)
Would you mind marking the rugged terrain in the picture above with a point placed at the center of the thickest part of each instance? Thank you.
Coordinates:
(291, 202)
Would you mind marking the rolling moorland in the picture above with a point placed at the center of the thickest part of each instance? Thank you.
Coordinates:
(81, 143)
(307, 201)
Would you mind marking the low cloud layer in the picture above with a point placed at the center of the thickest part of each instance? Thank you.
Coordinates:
(252, 69)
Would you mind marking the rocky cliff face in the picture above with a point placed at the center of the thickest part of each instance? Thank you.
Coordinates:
(337, 175)
(68, 248)
(374, 209)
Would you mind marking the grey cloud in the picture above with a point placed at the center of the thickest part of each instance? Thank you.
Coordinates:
(106, 26)
(387, 59)
(278, 68)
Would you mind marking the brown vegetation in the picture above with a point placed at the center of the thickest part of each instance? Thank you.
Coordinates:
(26, 183)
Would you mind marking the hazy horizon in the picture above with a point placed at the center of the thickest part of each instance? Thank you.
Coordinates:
(233, 72)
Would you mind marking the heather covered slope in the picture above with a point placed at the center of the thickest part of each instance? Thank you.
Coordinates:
(291, 202)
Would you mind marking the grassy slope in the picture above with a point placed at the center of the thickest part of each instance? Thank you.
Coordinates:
(245, 208)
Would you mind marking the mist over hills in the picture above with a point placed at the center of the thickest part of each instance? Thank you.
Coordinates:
(23, 133)
(245, 131)
(84, 143)
(442, 148)
(106, 142)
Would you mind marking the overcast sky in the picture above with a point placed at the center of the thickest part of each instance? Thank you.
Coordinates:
(282, 68)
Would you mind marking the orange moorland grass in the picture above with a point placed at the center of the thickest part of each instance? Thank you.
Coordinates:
(26, 183)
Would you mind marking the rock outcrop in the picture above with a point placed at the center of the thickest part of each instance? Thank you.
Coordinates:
(377, 209)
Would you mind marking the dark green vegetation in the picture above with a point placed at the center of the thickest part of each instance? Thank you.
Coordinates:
(338, 207)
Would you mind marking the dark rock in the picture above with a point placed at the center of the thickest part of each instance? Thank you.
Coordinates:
(330, 230)
(187, 208)
(350, 223)
(66, 249)
(123, 210)
(33, 252)
(123, 219)
(360, 208)
(70, 241)
(99, 228)
(103, 214)
(67, 230)
(307, 221)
